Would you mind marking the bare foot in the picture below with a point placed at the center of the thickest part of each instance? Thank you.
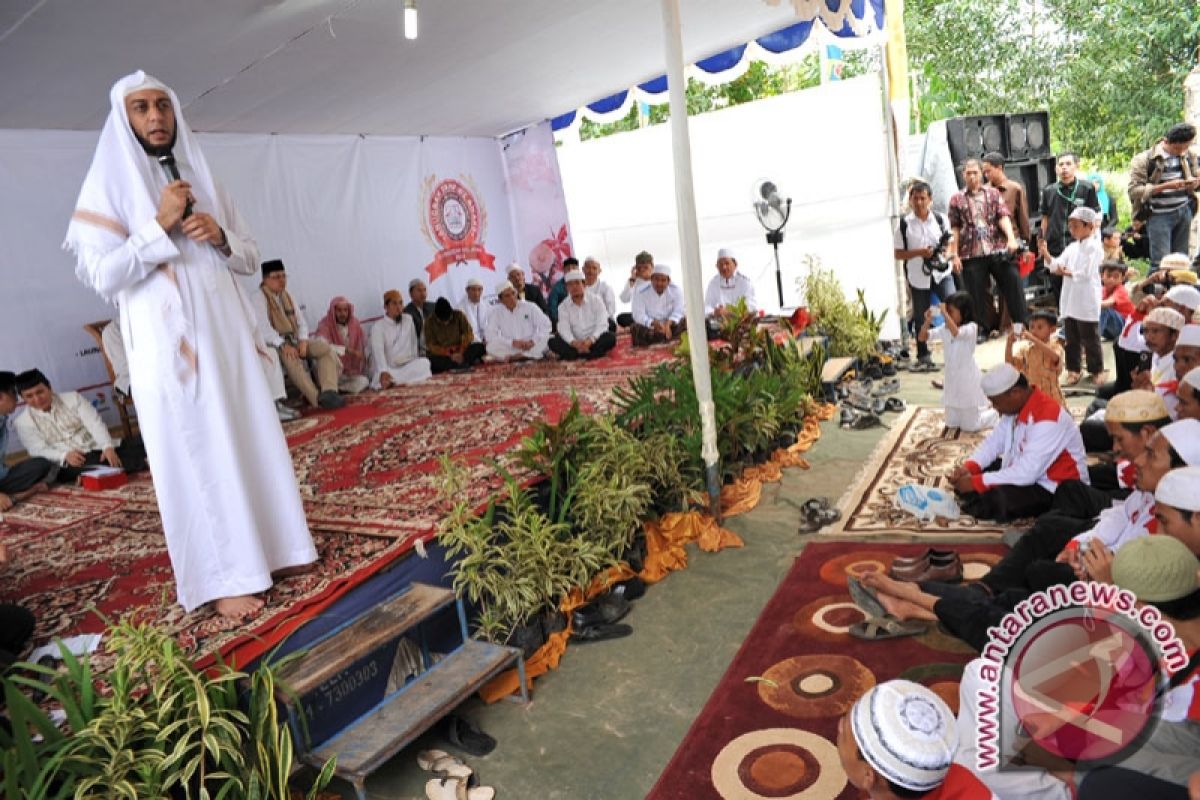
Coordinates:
(238, 607)
(903, 610)
(884, 584)
(30, 492)
(289, 572)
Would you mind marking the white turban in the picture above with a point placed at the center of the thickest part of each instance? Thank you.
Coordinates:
(471, 282)
(1186, 296)
(999, 379)
(574, 275)
(1180, 488)
(725, 252)
(1184, 437)
(906, 733)
(661, 269)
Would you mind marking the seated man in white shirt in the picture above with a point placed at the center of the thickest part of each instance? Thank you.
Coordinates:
(66, 430)
(516, 329)
(658, 310)
(288, 333)
(582, 323)
(593, 285)
(476, 309)
(114, 350)
(726, 288)
(639, 276)
(395, 354)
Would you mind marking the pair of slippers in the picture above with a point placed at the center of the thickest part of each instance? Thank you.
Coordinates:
(879, 624)
(454, 780)
(856, 420)
(816, 513)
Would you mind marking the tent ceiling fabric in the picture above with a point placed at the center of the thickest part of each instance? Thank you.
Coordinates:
(479, 68)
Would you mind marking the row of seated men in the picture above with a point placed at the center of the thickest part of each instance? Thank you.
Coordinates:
(413, 341)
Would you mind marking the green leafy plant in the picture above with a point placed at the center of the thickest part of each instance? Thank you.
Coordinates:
(851, 331)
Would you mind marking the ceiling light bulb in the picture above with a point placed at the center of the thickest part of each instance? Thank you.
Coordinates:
(410, 19)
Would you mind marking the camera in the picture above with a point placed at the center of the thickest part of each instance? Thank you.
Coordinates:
(937, 261)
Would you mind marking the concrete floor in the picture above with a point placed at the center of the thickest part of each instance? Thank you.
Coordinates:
(605, 724)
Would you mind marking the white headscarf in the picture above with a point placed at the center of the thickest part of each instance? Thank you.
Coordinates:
(121, 193)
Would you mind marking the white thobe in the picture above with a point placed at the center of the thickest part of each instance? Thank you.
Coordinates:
(650, 306)
(524, 321)
(477, 314)
(114, 349)
(272, 366)
(70, 424)
(227, 493)
(723, 292)
(628, 293)
(394, 350)
(1081, 290)
(605, 293)
(580, 321)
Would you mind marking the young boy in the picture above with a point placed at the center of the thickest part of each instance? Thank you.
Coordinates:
(1079, 307)
(1115, 305)
(1041, 360)
(1110, 238)
(25, 478)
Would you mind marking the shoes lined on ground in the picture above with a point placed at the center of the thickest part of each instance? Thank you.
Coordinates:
(599, 633)
(285, 413)
(604, 610)
(886, 387)
(924, 365)
(816, 513)
(876, 629)
(456, 789)
(860, 420)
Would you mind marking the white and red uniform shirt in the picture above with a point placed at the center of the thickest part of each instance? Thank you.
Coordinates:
(1039, 444)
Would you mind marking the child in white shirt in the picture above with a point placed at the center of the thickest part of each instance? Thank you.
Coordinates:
(1079, 307)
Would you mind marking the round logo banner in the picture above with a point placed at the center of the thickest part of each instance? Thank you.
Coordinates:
(454, 222)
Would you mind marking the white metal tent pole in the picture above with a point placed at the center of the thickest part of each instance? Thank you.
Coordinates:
(689, 244)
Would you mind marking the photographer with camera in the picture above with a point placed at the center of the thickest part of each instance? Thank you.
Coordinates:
(984, 245)
(920, 242)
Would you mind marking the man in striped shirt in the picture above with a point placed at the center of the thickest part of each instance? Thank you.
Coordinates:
(1162, 188)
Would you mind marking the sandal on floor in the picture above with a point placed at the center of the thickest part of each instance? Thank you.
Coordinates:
(465, 736)
(816, 513)
(876, 629)
(1071, 379)
(895, 404)
(455, 789)
(865, 599)
(427, 758)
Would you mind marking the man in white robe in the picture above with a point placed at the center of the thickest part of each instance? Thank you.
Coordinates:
(727, 287)
(593, 284)
(476, 310)
(516, 329)
(168, 250)
(639, 276)
(395, 351)
(582, 323)
(658, 310)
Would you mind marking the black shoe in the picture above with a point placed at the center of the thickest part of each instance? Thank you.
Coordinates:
(604, 610)
(598, 633)
(330, 399)
(630, 589)
(466, 737)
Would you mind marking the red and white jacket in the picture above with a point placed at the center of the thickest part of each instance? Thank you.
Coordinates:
(1162, 378)
(1129, 519)
(1040, 444)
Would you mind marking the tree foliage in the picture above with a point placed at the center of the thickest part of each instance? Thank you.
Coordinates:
(1110, 73)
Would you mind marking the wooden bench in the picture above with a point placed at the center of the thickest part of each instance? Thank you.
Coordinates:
(343, 664)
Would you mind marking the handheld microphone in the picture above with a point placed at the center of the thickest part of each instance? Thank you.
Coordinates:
(167, 160)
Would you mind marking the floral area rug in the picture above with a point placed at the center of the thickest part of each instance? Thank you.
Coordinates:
(919, 449)
(367, 474)
(770, 727)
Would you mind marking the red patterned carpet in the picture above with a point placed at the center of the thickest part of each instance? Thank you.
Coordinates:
(776, 737)
(367, 474)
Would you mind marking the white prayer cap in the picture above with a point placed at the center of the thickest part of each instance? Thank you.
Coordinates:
(1184, 437)
(514, 267)
(1175, 261)
(661, 269)
(1167, 317)
(1180, 488)
(140, 80)
(906, 732)
(1189, 336)
(504, 286)
(1186, 296)
(1085, 214)
(999, 379)
(574, 275)
(1192, 379)
(726, 252)
(474, 282)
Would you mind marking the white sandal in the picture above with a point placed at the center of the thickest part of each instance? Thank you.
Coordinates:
(442, 764)
(456, 789)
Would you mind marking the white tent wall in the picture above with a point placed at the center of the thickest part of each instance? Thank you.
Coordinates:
(345, 213)
(824, 147)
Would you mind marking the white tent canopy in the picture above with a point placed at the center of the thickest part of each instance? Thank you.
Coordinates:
(479, 67)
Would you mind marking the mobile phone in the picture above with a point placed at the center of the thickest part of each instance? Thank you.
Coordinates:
(1145, 360)
(1018, 329)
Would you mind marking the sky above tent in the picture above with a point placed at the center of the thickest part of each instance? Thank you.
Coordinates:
(479, 67)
